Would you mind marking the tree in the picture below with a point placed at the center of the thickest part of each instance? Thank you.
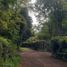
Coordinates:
(54, 11)
(11, 19)
(26, 31)
(11, 25)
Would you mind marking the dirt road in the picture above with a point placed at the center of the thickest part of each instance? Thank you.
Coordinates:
(40, 59)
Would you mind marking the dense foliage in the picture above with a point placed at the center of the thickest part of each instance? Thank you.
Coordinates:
(7, 52)
(52, 17)
(59, 47)
(12, 26)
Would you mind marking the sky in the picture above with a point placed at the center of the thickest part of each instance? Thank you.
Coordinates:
(32, 14)
(32, 1)
(34, 19)
(35, 23)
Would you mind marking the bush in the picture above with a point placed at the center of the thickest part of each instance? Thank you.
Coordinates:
(59, 47)
(7, 52)
(40, 45)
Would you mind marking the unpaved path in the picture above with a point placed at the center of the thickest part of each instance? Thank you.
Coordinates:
(40, 59)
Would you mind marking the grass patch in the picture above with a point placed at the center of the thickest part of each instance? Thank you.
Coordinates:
(24, 49)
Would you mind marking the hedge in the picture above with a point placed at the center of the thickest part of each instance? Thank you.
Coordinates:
(59, 47)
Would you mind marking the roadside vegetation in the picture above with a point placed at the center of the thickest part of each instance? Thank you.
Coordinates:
(12, 25)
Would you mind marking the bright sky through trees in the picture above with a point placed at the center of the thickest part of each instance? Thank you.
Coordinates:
(32, 1)
(33, 18)
(31, 13)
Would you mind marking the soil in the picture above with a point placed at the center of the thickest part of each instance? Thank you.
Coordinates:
(33, 58)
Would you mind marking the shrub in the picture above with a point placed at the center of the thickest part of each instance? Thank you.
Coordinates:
(40, 45)
(59, 47)
(8, 52)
